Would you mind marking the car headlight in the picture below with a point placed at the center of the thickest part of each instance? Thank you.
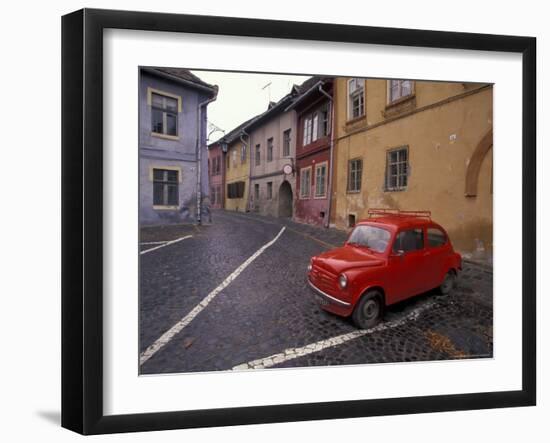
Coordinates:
(309, 268)
(343, 281)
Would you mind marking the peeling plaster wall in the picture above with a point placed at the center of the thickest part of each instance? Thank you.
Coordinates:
(441, 140)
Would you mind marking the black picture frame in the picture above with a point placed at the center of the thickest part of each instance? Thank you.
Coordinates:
(82, 218)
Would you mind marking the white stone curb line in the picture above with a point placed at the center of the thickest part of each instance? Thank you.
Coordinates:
(292, 353)
(178, 327)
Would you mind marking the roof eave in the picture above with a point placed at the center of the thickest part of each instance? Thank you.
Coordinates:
(211, 90)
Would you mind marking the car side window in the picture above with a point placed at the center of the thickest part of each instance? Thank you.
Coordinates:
(409, 240)
(436, 237)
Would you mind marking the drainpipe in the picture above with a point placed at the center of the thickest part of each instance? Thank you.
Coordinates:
(199, 152)
(249, 149)
(332, 118)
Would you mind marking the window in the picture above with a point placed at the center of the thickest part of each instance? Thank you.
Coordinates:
(371, 237)
(307, 130)
(321, 180)
(305, 182)
(234, 156)
(235, 190)
(165, 187)
(243, 153)
(286, 143)
(164, 115)
(397, 169)
(269, 190)
(410, 240)
(356, 98)
(436, 237)
(355, 170)
(257, 191)
(258, 155)
(227, 162)
(213, 195)
(216, 165)
(270, 149)
(316, 125)
(399, 89)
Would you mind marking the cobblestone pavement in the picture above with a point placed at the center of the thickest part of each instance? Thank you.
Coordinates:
(267, 316)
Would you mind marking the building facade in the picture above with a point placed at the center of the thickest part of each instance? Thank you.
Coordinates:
(237, 168)
(216, 173)
(173, 159)
(313, 150)
(416, 145)
(272, 138)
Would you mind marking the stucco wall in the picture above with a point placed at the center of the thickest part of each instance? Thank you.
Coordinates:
(238, 171)
(159, 152)
(274, 128)
(441, 141)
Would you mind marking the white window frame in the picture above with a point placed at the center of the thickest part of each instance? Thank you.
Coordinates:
(400, 186)
(318, 166)
(358, 177)
(306, 195)
(356, 89)
(164, 94)
(399, 87)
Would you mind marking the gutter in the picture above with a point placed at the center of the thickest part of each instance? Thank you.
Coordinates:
(249, 149)
(332, 118)
(199, 152)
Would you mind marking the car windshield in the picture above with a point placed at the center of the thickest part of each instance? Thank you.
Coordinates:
(372, 237)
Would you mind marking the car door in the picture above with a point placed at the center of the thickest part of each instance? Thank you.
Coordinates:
(436, 254)
(407, 264)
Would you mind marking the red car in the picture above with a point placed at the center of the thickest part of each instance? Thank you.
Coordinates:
(391, 256)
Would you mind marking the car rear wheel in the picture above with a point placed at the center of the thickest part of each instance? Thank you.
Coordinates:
(448, 283)
(368, 311)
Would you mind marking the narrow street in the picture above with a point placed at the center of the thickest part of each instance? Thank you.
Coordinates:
(233, 295)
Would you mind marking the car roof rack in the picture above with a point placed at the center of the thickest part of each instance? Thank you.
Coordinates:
(375, 212)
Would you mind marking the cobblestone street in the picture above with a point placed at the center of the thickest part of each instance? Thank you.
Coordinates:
(207, 305)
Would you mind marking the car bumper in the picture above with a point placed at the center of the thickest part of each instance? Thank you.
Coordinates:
(330, 303)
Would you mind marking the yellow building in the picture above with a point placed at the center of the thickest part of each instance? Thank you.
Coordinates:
(237, 172)
(416, 145)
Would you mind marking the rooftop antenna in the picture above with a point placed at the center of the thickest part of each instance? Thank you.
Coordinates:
(268, 86)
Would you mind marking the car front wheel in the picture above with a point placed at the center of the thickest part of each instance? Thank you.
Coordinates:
(368, 311)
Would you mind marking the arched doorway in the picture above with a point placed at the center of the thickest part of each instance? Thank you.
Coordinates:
(474, 166)
(285, 200)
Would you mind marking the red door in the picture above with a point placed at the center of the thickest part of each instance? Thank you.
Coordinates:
(437, 249)
(407, 265)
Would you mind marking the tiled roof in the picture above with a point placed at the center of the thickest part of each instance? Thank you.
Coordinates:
(184, 74)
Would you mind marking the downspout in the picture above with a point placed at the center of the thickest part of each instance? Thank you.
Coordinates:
(199, 152)
(332, 118)
(249, 150)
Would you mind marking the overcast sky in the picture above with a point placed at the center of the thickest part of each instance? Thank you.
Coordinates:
(241, 96)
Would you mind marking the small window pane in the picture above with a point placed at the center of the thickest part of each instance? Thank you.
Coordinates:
(172, 176)
(171, 104)
(436, 237)
(157, 100)
(157, 121)
(171, 124)
(410, 240)
(172, 195)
